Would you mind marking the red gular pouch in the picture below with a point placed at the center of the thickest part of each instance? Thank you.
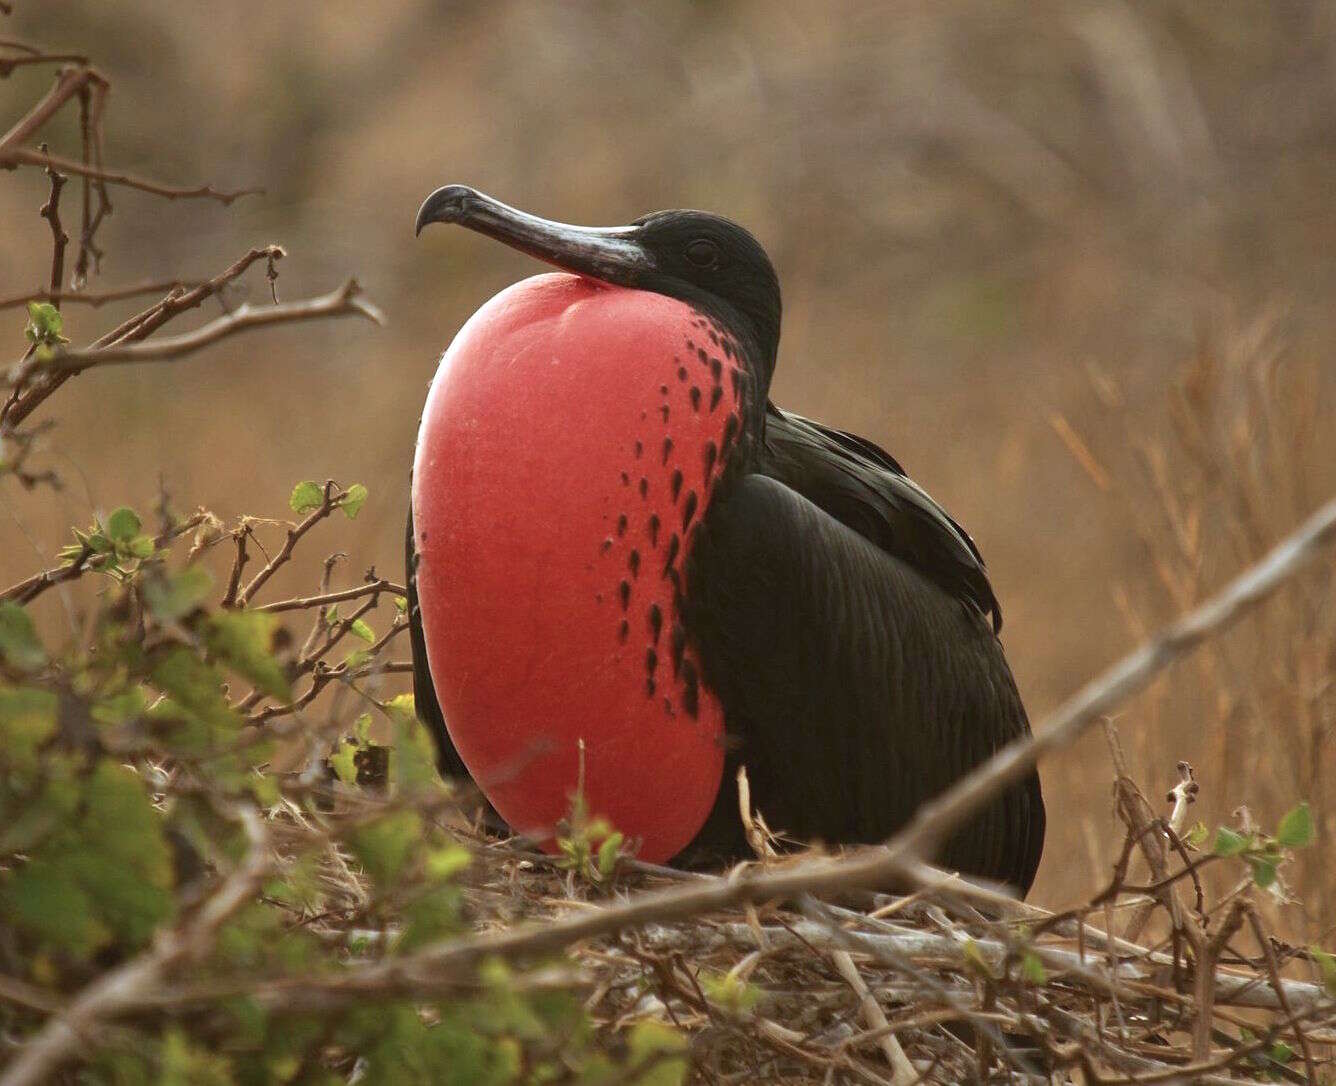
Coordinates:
(571, 442)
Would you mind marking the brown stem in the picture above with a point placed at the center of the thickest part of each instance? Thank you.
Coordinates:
(22, 156)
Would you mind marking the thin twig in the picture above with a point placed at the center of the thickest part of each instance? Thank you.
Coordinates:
(347, 300)
(374, 588)
(59, 239)
(329, 501)
(95, 298)
(22, 156)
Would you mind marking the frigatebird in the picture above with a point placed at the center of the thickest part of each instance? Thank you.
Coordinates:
(629, 572)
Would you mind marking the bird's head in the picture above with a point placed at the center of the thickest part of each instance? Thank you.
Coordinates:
(700, 258)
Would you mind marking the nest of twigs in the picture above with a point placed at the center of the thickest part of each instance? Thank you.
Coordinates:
(955, 982)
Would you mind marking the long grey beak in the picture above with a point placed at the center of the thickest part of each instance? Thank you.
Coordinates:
(608, 253)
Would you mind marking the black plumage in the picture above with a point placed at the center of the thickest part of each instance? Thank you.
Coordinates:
(844, 620)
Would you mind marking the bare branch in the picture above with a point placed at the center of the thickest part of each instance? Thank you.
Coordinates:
(346, 301)
(59, 239)
(96, 298)
(22, 156)
(67, 86)
(374, 588)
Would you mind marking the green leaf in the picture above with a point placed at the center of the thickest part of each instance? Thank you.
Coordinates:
(660, 1050)
(1032, 969)
(123, 525)
(384, 846)
(1196, 837)
(1264, 871)
(195, 690)
(243, 641)
(1326, 966)
(608, 853)
(18, 639)
(104, 874)
(172, 598)
(45, 324)
(141, 546)
(974, 957)
(443, 863)
(184, 1064)
(1280, 1052)
(360, 629)
(353, 502)
(27, 719)
(306, 496)
(1229, 842)
(1296, 828)
(344, 761)
(401, 604)
(121, 707)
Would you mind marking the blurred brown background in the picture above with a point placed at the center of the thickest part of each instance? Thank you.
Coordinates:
(1003, 231)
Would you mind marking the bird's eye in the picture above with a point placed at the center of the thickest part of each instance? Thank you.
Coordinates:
(703, 253)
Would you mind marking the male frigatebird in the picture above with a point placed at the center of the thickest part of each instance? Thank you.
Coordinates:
(628, 569)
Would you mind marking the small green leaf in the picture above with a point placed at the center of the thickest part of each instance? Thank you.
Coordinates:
(141, 546)
(242, 640)
(175, 597)
(123, 525)
(344, 762)
(384, 846)
(1264, 871)
(1326, 966)
(353, 501)
(443, 863)
(976, 959)
(45, 324)
(1280, 1052)
(360, 629)
(608, 853)
(306, 496)
(660, 1051)
(18, 639)
(1032, 969)
(401, 604)
(27, 719)
(1196, 837)
(1229, 842)
(1296, 828)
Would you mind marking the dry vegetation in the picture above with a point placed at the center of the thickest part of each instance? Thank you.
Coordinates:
(226, 856)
